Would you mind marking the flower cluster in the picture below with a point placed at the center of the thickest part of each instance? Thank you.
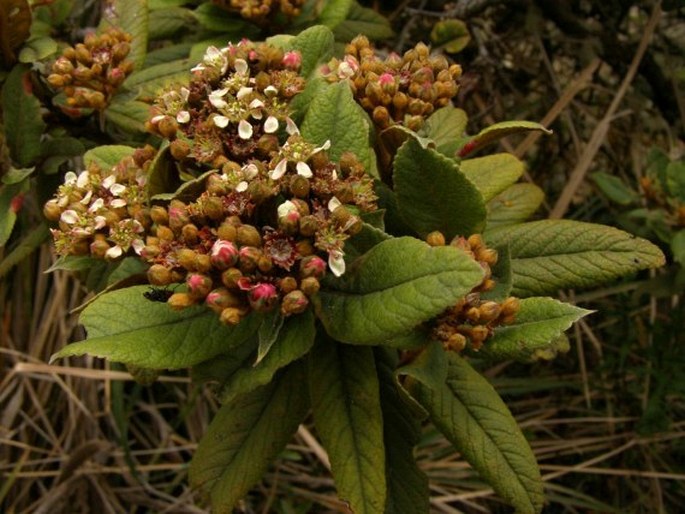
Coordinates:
(102, 213)
(273, 213)
(396, 89)
(91, 72)
(472, 320)
(263, 12)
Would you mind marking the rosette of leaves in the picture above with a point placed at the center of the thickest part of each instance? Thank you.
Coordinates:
(361, 358)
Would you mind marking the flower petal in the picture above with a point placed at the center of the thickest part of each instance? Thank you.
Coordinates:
(138, 245)
(241, 66)
(333, 204)
(69, 217)
(270, 91)
(114, 252)
(336, 262)
(279, 170)
(290, 127)
(221, 121)
(109, 181)
(286, 208)
(250, 171)
(271, 125)
(183, 117)
(83, 179)
(70, 178)
(241, 187)
(117, 203)
(96, 205)
(304, 170)
(243, 92)
(244, 129)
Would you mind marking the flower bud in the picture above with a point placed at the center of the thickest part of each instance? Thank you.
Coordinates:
(455, 343)
(186, 258)
(213, 208)
(167, 127)
(381, 116)
(63, 66)
(56, 80)
(489, 311)
(249, 257)
(230, 278)
(299, 186)
(178, 215)
(116, 77)
(120, 51)
(231, 316)
(158, 275)
(265, 264)
(224, 254)
(510, 306)
(227, 231)
(287, 284)
(159, 215)
(83, 55)
(52, 210)
(164, 233)
(263, 297)
(312, 266)
(189, 233)
(98, 248)
(435, 238)
(310, 286)
(199, 285)
(179, 301)
(248, 235)
(488, 255)
(304, 247)
(295, 302)
(203, 263)
(221, 298)
(179, 150)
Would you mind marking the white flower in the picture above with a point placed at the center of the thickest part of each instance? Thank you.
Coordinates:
(304, 169)
(241, 67)
(279, 170)
(114, 252)
(86, 199)
(270, 91)
(241, 187)
(250, 171)
(183, 117)
(96, 205)
(333, 204)
(256, 104)
(117, 189)
(336, 262)
(216, 98)
(216, 59)
(244, 129)
(287, 208)
(291, 128)
(70, 178)
(243, 92)
(221, 121)
(83, 179)
(271, 125)
(69, 217)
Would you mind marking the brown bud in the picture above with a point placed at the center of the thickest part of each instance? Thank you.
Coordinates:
(159, 215)
(227, 232)
(473, 314)
(231, 316)
(83, 55)
(435, 238)
(310, 286)
(230, 278)
(308, 226)
(299, 186)
(99, 247)
(304, 247)
(213, 208)
(158, 275)
(51, 210)
(489, 311)
(179, 149)
(455, 343)
(165, 233)
(167, 127)
(179, 301)
(120, 51)
(287, 284)
(381, 116)
(510, 306)
(248, 235)
(295, 302)
(56, 80)
(476, 242)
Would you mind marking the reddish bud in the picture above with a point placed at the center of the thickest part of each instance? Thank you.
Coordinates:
(224, 254)
(263, 297)
(295, 302)
(312, 266)
(199, 285)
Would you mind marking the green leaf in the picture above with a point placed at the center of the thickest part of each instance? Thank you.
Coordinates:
(129, 116)
(8, 213)
(492, 174)
(23, 123)
(37, 49)
(72, 263)
(245, 436)
(107, 156)
(538, 324)
(451, 34)
(614, 188)
(58, 150)
(362, 20)
(219, 369)
(678, 246)
(268, 333)
(316, 46)
(167, 54)
(347, 414)
(514, 205)
(470, 413)
(446, 128)
(26, 247)
(163, 177)
(397, 285)
(124, 326)
(498, 131)
(334, 12)
(502, 275)
(147, 82)
(407, 484)
(363, 241)
(231, 26)
(165, 23)
(335, 116)
(554, 254)
(17, 175)
(130, 16)
(675, 179)
(294, 340)
(433, 194)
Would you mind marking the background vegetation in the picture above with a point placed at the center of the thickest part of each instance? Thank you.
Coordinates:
(605, 420)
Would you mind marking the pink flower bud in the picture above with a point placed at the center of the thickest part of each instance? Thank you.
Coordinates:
(198, 285)
(295, 302)
(292, 60)
(312, 266)
(224, 254)
(263, 297)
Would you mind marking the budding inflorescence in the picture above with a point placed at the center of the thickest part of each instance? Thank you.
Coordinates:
(91, 72)
(274, 211)
(102, 213)
(263, 12)
(398, 89)
(472, 320)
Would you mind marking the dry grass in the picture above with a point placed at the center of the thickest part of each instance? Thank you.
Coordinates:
(81, 436)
